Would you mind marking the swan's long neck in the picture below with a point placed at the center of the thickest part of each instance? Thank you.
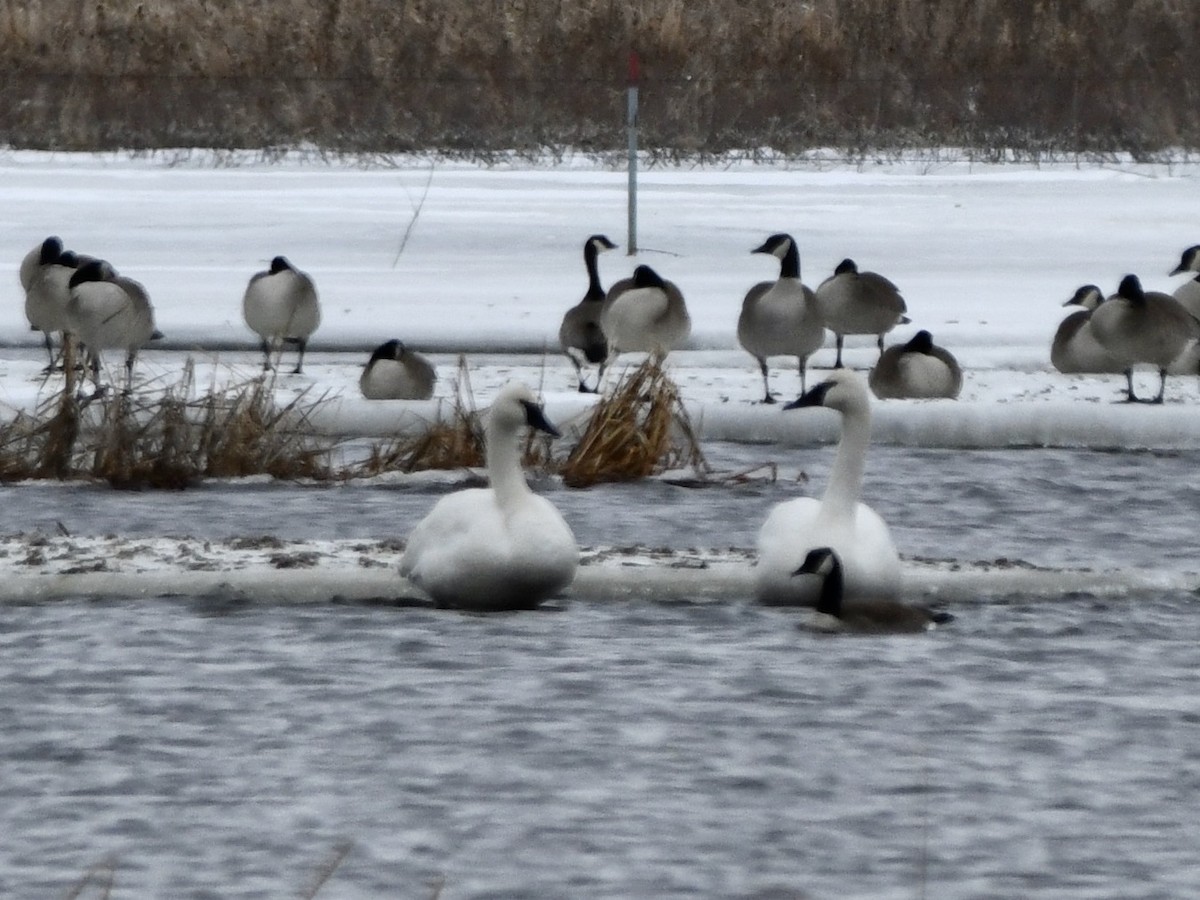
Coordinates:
(504, 466)
(845, 478)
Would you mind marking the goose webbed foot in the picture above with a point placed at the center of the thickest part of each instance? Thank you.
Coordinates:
(768, 399)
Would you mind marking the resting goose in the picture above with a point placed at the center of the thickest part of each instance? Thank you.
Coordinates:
(1188, 293)
(838, 520)
(500, 547)
(396, 373)
(45, 275)
(644, 314)
(1075, 349)
(1143, 327)
(108, 311)
(854, 302)
(864, 615)
(280, 306)
(917, 370)
(580, 335)
(780, 318)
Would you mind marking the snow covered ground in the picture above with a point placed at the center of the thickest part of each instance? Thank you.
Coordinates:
(460, 259)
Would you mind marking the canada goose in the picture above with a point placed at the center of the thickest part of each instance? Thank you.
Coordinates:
(580, 335)
(644, 314)
(281, 306)
(1143, 327)
(854, 302)
(108, 311)
(866, 615)
(45, 274)
(838, 520)
(780, 318)
(396, 373)
(499, 547)
(918, 370)
(1075, 349)
(1188, 293)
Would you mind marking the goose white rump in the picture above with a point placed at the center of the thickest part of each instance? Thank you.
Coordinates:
(838, 520)
(500, 547)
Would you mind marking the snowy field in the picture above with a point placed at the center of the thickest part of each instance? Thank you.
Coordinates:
(461, 259)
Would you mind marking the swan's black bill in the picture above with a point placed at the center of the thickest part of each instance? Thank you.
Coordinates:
(535, 418)
(813, 397)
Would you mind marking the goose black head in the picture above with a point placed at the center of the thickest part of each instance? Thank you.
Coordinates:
(1189, 262)
(1131, 289)
(776, 245)
(1089, 296)
(921, 342)
(646, 277)
(824, 563)
(96, 270)
(392, 349)
(280, 264)
(598, 243)
(52, 248)
(846, 267)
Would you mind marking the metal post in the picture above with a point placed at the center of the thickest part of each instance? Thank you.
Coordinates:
(632, 128)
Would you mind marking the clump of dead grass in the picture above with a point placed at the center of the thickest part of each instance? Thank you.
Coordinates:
(639, 429)
(168, 438)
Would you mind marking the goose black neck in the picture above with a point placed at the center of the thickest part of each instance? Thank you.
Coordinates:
(832, 588)
(594, 291)
(789, 265)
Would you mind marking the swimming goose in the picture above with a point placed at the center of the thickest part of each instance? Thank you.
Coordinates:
(1143, 327)
(854, 302)
(1188, 293)
(1075, 349)
(499, 547)
(396, 373)
(838, 520)
(918, 370)
(281, 306)
(644, 314)
(580, 335)
(108, 311)
(780, 318)
(865, 615)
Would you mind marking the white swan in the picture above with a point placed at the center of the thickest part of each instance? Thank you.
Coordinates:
(917, 370)
(838, 520)
(862, 614)
(780, 318)
(854, 302)
(280, 306)
(396, 373)
(1075, 349)
(580, 335)
(499, 547)
(1143, 327)
(644, 314)
(108, 311)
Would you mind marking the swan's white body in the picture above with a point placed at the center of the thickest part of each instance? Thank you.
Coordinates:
(280, 305)
(780, 318)
(838, 520)
(499, 547)
(396, 373)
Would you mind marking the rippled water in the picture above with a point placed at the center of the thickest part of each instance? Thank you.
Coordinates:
(624, 749)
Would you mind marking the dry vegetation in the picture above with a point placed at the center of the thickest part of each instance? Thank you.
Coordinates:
(174, 436)
(459, 76)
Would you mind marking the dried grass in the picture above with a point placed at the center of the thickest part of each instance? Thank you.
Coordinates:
(640, 428)
(467, 78)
